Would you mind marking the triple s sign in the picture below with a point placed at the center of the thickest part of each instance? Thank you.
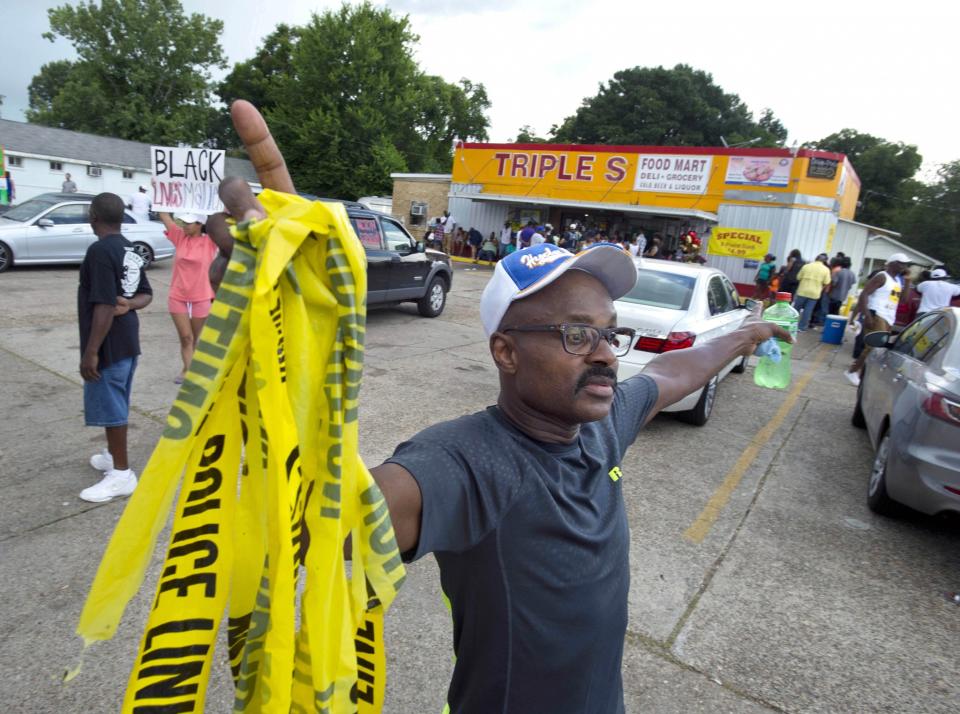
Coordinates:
(656, 173)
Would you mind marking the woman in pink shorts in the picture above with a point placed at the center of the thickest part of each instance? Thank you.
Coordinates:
(190, 292)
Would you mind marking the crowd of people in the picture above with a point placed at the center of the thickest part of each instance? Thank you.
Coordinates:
(444, 234)
(819, 287)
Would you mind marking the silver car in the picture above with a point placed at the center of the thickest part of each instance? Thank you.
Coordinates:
(674, 306)
(54, 228)
(909, 403)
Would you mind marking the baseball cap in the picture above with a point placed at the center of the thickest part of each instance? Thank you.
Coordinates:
(898, 258)
(938, 273)
(189, 217)
(524, 272)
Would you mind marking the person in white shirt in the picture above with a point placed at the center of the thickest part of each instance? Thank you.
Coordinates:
(140, 205)
(641, 242)
(506, 236)
(537, 238)
(936, 292)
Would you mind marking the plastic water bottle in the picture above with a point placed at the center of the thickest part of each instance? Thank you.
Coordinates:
(771, 373)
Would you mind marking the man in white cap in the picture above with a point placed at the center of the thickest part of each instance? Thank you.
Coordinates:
(936, 292)
(878, 304)
(521, 503)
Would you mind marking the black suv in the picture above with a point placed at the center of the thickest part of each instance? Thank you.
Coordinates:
(399, 269)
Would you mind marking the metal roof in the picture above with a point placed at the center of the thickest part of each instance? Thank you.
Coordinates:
(20, 137)
(590, 205)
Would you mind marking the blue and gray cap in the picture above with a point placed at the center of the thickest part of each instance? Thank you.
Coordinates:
(526, 271)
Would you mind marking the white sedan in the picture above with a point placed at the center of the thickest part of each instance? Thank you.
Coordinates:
(54, 228)
(674, 306)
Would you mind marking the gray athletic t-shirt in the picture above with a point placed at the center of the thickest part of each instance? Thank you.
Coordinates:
(532, 543)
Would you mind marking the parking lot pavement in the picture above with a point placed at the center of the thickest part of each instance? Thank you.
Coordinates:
(760, 581)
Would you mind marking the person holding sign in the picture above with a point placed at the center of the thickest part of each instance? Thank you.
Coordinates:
(190, 292)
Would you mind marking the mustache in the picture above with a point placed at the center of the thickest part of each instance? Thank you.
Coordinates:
(595, 371)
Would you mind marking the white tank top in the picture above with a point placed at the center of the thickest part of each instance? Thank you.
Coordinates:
(884, 300)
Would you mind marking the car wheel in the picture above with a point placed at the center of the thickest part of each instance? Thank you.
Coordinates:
(144, 251)
(699, 415)
(434, 300)
(877, 498)
(858, 419)
(6, 257)
(741, 366)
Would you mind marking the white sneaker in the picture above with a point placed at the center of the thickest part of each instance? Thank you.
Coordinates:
(102, 461)
(114, 483)
(853, 378)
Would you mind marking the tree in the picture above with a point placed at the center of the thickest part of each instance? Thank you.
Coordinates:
(348, 104)
(527, 136)
(929, 218)
(884, 168)
(142, 73)
(667, 107)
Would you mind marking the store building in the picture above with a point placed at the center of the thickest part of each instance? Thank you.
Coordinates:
(747, 201)
(419, 198)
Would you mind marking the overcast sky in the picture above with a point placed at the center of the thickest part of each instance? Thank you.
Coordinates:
(821, 66)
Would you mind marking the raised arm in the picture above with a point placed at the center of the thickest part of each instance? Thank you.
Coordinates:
(400, 489)
(682, 372)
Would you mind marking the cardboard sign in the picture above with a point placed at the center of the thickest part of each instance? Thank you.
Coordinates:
(744, 243)
(672, 173)
(186, 179)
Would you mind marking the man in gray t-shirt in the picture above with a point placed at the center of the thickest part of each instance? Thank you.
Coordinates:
(521, 503)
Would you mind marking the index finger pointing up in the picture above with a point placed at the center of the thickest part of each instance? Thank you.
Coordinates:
(263, 151)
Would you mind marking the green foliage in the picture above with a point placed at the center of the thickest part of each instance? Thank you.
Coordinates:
(348, 104)
(929, 219)
(526, 136)
(667, 107)
(142, 71)
(885, 169)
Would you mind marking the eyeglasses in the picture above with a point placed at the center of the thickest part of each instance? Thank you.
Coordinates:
(580, 339)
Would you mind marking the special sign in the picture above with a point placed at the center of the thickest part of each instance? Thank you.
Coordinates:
(745, 243)
(672, 173)
(186, 179)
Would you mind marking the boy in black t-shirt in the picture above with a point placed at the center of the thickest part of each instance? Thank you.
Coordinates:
(113, 286)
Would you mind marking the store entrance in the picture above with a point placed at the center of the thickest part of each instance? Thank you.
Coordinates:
(616, 225)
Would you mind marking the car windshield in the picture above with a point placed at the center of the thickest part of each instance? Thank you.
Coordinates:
(658, 289)
(29, 209)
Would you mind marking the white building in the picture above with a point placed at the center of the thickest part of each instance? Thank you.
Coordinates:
(39, 158)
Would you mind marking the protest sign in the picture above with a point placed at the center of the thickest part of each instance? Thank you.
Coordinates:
(185, 180)
(744, 243)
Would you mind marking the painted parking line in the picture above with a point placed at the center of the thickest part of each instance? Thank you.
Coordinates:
(699, 529)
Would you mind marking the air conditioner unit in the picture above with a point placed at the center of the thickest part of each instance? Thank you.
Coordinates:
(418, 209)
(94, 171)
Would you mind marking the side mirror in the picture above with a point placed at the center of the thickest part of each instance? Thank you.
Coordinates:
(750, 304)
(421, 248)
(45, 223)
(877, 339)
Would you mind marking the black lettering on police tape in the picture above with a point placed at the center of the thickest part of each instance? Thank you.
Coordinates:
(216, 481)
(182, 585)
(207, 546)
(176, 652)
(168, 708)
(202, 507)
(200, 624)
(189, 533)
(176, 683)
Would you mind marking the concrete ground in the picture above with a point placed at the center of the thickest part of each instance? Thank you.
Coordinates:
(760, 581)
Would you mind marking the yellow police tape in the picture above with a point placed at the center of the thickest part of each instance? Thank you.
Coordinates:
(265, 431)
